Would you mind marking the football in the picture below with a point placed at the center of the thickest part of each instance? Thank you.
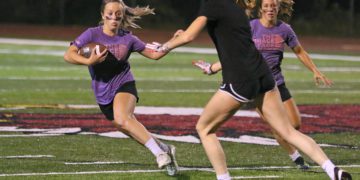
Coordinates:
(86, 49)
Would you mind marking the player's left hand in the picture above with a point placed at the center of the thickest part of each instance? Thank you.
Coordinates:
(204, 66)
(322, 80)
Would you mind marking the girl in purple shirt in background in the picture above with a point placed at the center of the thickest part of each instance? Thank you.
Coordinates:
(270, 36)
(112, 81)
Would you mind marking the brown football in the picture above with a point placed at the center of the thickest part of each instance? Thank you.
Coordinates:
(86, 49)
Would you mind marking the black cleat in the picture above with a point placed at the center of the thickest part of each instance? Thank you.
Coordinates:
(341, 174)
(301, 164)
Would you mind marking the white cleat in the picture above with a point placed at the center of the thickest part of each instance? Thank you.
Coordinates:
(163, 159)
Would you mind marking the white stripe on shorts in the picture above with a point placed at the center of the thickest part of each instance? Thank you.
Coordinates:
(238, 95)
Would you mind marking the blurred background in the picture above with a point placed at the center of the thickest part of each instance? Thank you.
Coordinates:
(339, 18)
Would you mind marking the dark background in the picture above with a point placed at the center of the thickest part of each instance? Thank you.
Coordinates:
(311, 17)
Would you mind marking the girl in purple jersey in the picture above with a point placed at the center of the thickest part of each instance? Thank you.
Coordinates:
(270, 36)
(112, 81)
(246, 78)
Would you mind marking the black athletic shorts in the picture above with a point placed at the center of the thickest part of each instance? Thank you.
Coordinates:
(284, 92)
(128, 87)
(248, 90)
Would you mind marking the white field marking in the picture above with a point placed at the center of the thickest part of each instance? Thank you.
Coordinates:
(57, 53)
(44, 131)
(323, 91)
(327, 69)
(256, 177)
(26, 156)
(151, 110)
(153, 171)
(246, 139)
(179, 50)
(165, 79)
(28, 135)
(80, 173)
(94, 163)
(44, 69)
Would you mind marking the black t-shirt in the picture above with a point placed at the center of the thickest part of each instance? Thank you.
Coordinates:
(229, 28)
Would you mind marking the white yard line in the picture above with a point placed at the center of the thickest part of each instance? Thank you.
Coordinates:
(26, 156)
(94, 163)
(179, 50)
(154, 171)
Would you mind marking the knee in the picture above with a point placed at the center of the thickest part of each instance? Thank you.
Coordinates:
(297, 123)
(200, 129)
(121, 121)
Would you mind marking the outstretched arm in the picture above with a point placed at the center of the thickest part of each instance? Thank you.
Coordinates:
(185, 37)
(151, 50)
(304, 57)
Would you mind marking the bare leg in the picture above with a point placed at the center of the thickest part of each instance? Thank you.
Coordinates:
(124, 119)
(271, 107)
(295, 120)
(219, 109)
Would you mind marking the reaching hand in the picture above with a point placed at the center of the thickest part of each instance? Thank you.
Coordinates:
(322, 80)
(204, 66)
(157, 47)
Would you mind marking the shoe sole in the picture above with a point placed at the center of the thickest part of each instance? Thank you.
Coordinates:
(172, 168)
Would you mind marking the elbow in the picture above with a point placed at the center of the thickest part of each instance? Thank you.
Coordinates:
(188, 38)
(66, 57)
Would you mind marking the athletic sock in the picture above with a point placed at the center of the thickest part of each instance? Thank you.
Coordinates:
(295, 155)
(153, 147)
(225, 176)
(329, 167)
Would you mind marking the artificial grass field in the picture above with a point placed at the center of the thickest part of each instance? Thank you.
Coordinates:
(28, 79)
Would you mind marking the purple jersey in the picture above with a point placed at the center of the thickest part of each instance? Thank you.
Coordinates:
(112, 73)
(271, 43)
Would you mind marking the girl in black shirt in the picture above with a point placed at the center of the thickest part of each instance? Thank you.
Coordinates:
(246, 78)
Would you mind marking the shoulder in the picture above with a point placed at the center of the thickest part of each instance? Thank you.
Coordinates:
(94, 29)
(285, 26)
(254, 22)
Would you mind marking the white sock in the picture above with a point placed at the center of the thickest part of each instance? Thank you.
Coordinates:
(329, 167)
(153, 147)
(295, 155)
(225, 176)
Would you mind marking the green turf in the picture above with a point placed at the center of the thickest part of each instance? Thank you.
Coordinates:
(172, 81)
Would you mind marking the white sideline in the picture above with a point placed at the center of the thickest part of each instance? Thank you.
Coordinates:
(179, 50)
(181, 169)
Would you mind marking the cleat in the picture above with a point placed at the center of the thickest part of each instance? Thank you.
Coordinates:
(172, 167)
(341, 174)
(163, 160)
(301, 164)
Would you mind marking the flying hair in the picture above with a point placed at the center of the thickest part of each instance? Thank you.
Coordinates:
(129, 15)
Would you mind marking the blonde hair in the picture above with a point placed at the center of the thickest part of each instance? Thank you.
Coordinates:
(285, 9)
(130, 15)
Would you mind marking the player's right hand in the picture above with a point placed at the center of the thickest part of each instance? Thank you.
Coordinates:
(204, 66)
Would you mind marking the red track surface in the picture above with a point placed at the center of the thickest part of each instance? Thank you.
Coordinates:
(331, 119)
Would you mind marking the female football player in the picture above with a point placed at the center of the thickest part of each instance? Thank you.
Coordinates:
(112, 81)
(246, 78)
(270, 36)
